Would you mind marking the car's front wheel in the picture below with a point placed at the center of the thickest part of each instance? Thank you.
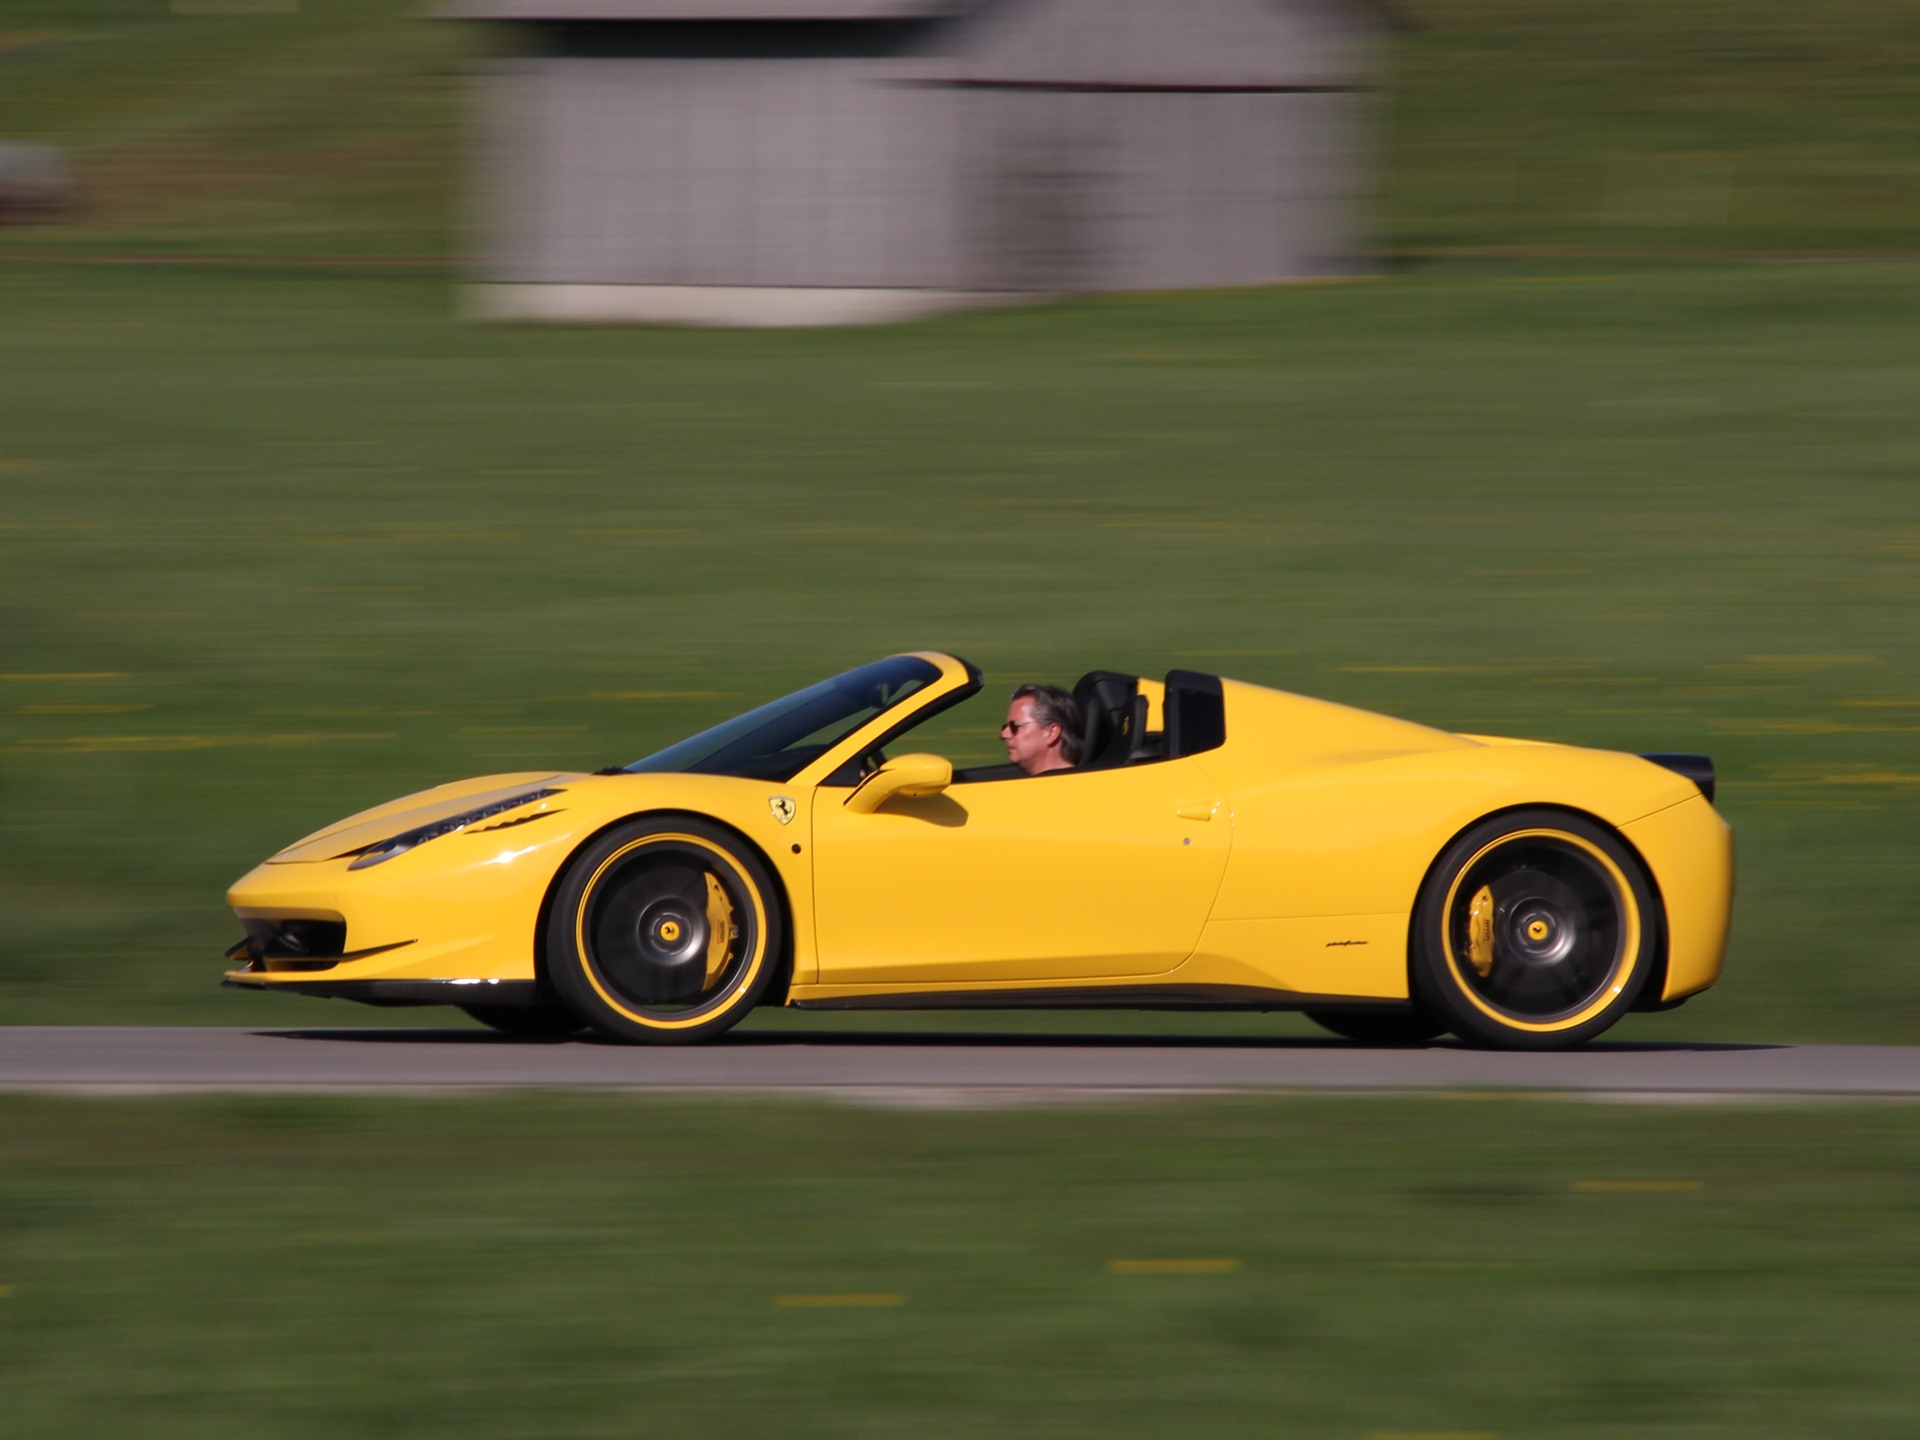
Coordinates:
(1535, 931)
(664, 931)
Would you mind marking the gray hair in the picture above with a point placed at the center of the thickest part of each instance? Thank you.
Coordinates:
(1054, 706)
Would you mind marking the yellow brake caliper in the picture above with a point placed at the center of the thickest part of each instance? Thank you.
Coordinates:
(720, 929)
(1480, 931)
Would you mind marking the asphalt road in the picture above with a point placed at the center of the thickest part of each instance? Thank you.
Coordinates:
(913, 1067)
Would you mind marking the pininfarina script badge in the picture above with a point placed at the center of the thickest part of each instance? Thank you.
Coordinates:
(781, 807)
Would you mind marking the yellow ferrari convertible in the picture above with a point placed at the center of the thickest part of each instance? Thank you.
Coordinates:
(1217, 845)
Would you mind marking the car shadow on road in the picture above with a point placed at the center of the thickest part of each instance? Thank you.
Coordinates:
(1067, 1041)
(1004, 1040)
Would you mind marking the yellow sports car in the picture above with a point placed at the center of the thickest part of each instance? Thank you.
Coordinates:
(1216, 845)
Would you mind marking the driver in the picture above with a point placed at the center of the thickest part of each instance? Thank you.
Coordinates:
(1042, 729)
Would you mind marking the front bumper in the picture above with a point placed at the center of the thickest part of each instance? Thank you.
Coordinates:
(524, 993)
(1689, 849)
(464, 910)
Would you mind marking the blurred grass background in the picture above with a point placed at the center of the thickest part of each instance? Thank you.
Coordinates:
(610, 1266)
(1511, 126)
(281, 539)
(279, 546)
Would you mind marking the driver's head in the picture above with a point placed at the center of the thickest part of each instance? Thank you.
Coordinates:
(1042, 729)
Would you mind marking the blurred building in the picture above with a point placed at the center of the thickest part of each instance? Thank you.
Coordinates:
(828, 161)
(36, 183)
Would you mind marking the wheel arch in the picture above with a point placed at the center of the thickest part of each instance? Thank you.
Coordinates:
(1656, 980)
(782, 980)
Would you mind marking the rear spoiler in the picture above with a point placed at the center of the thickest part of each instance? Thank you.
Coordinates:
(1697, 768)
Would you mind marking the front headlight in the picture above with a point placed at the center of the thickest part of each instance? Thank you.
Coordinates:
(408, 839)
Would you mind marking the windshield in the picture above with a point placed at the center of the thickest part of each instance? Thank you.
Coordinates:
(780, 739)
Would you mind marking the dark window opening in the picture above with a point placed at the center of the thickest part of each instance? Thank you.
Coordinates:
(780, 739)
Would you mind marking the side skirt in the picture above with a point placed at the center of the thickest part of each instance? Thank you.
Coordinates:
(1105, 997)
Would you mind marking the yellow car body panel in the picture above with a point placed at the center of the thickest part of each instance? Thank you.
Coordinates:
(408, 811)
(466, 907)
(1689, 850)
(969, 885)
(1280, 866)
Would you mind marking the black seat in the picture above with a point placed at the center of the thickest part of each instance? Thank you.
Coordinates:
(1109, 718)
(1144, 745)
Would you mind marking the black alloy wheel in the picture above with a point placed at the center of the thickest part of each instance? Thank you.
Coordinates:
(664, 931)
(1535, 931)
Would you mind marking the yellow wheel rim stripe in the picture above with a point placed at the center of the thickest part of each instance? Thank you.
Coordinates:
(754, 961)
(1629, 936)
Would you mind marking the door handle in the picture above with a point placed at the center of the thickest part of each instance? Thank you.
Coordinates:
(1197, 810)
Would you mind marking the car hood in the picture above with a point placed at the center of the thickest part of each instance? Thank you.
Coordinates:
(369, 827)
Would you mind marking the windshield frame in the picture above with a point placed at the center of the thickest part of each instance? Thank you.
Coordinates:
(951, 674)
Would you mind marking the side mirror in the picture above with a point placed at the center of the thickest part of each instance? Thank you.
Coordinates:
(911, 776)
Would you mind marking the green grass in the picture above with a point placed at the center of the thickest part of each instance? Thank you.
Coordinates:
(330, 130)
(1644, 126)
(612, 1266)
(277, 546)
(1597, 126)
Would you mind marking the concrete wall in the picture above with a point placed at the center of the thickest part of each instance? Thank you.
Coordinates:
(1021, 147)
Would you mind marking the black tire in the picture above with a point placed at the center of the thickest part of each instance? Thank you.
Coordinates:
(528, 1022)
(1535, 931)
(1380, 1027)
(664, 931)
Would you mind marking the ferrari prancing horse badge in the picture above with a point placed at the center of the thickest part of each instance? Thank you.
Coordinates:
(782, 808)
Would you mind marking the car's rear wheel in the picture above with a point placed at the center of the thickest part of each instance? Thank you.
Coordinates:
(1535, 931)
(529, 1022)
(664, 931)
(1380, 1027)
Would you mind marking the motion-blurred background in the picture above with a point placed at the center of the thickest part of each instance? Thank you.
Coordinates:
(1608, 435)
(1599, 422)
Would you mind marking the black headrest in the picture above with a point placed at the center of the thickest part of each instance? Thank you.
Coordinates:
(1195, 713)
(1109, 689)
(1105, 698)
(1096, 734)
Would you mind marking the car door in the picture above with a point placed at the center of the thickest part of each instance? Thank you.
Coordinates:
(1067, 876)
